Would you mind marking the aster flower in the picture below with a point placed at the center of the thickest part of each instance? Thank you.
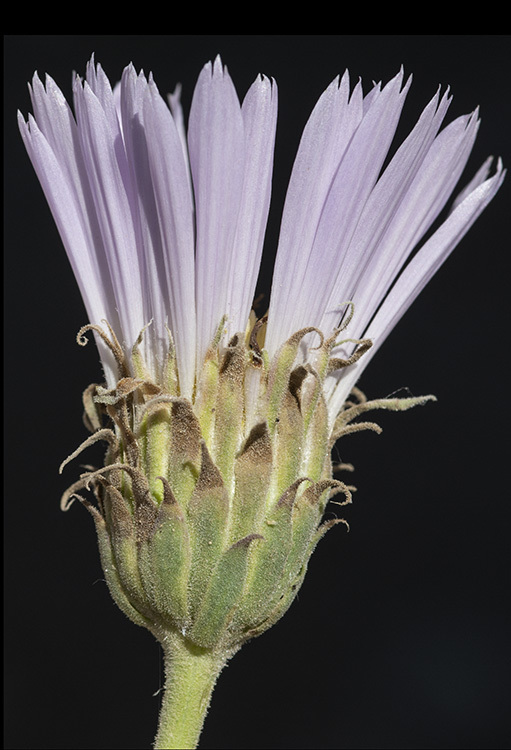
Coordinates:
(220, 425)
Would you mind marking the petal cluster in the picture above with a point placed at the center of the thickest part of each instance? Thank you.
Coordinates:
(164, 233)
(164, 227)
(352, 222)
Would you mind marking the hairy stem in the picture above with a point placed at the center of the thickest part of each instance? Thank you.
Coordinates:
(190, 676)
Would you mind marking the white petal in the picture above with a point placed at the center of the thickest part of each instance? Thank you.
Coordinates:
(169, 173)
(426, 191)
(324, 141)
(216, 147)
(355, 177)
(259, 111)
(108, 174)
(55, 120)
(131, 94)
(176, 108)
(70, 222)
(417, 274)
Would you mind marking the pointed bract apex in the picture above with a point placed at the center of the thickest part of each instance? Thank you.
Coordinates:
(338, 363)
(91, 411)
(337, 488)
(117, 514)
(111, 342)
(288, 497)
(168, 495)
(257, 447)
(209, 476)
(246, 540)
(96, 515)
(105, 434)
(185, 430)
(233, 362)
(326, 526)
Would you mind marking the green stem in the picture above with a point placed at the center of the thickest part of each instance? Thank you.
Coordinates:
(190, 676)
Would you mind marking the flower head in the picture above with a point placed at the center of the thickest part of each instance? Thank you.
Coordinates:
(220, 425)
(165, 231)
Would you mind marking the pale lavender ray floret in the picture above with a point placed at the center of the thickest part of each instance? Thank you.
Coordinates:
(231, 158)
(164, 229)
(350, 238)
(343, 145)
(148, 252)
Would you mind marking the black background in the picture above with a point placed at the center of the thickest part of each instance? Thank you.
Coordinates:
(400, 635)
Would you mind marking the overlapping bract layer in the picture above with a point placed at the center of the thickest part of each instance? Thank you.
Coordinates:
(208, 512)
